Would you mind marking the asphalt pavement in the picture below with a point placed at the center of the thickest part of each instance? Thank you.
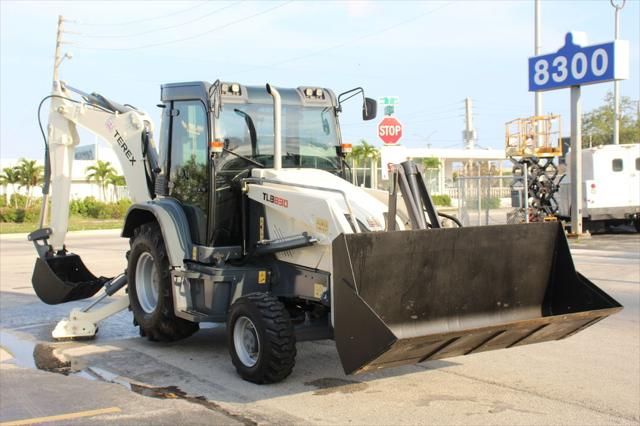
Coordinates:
(120, 378)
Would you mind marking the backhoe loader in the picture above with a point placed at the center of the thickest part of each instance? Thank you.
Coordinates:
(245, 215)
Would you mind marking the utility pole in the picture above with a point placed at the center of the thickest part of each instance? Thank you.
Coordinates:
(469, 134)
(536, 51)
(616, 84)
(55, 88)
(58, 58)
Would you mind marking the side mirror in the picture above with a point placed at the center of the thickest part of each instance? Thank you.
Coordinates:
(369, 109)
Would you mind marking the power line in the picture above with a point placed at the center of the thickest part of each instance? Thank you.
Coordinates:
(408, 120)
(228, 24)
(138, 21)
(435, 113)
(199, 18)
(326, 49)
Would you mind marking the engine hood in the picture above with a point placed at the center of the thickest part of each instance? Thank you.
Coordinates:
(368, 211)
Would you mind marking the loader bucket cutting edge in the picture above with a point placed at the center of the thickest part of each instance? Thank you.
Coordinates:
(410, 296)
(60, 279)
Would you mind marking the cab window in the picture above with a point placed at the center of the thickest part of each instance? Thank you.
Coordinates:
(616, 165)
(189, 175)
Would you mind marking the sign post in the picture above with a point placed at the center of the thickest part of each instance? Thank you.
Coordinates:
(576, 161)
(573, 66)
(389, 103)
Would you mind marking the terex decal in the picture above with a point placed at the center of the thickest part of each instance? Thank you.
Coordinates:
(278, 201)
(127, 152)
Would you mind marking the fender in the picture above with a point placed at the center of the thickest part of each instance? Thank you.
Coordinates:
(173, 224)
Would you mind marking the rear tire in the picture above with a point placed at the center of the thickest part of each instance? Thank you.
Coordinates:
(261, 338)
(150, 296)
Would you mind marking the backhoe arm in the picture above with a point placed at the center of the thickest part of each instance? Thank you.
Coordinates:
(60, 276)
(122, 127)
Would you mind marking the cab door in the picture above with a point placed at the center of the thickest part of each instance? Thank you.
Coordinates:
(189, 164)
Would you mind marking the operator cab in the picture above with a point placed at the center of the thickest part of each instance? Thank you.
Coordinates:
(212, 136)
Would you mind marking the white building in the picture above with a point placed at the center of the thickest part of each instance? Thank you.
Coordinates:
(81, 187)
(449, 158)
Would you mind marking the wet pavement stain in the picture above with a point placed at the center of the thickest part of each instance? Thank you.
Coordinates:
(499, 407)
(493, 407)
(329, 385)
(42, 356)
(445, 398)
(45, 359)
(174, 392)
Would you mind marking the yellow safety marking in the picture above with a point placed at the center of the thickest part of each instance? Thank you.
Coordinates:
(262, 277)
(261, 229)
(68, 416)
(318, 289)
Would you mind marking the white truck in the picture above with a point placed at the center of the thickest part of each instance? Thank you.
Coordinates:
(610, 186)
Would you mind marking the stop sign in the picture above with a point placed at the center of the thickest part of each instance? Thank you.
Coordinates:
(390, 130)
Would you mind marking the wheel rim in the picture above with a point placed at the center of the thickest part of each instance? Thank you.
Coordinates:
(147, 283)
(246, 341)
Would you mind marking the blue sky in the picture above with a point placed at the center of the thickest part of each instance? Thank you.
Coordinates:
(431, 54)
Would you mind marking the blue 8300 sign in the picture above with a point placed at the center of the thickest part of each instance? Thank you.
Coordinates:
(574, 65)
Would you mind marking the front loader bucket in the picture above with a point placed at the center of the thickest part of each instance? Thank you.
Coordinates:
(60, 279)
(410, 296)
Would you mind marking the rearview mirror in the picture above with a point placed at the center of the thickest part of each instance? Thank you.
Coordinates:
(369, 109)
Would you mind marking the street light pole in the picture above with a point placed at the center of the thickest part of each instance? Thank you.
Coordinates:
(616, 84)
(536, 51)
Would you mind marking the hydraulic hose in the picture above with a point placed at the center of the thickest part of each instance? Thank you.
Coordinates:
(452, 218)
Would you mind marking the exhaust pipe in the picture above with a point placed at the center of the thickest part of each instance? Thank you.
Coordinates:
(277, 121)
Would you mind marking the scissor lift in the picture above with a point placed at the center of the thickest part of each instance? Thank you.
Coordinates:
(532, 144)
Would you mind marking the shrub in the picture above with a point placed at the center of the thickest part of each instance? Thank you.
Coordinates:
(485, 203)
(19, 215)
(441, 200)
(88, 207)
(18, 200)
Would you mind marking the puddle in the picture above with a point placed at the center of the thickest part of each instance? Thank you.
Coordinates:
(42, 356)
(329, 385)
(20, 349)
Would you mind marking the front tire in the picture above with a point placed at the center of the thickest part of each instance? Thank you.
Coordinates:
(261, 338)
(150, 296)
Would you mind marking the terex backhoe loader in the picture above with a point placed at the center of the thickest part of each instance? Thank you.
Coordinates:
(247, 217)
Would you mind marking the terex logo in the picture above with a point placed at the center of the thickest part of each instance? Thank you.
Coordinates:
(275, 200)
(125, 148)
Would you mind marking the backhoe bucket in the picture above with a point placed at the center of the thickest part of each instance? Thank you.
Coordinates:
(410, 296)
(60, 279)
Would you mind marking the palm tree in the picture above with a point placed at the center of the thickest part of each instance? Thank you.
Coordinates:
(115, 181)
(371, 153)
(100, 173)
(10, 176)
(30, 174)
(356, 155)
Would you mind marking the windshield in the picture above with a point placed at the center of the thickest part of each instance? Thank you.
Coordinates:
(309, 136)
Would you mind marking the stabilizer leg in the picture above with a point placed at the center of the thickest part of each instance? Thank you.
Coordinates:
(83, 323)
